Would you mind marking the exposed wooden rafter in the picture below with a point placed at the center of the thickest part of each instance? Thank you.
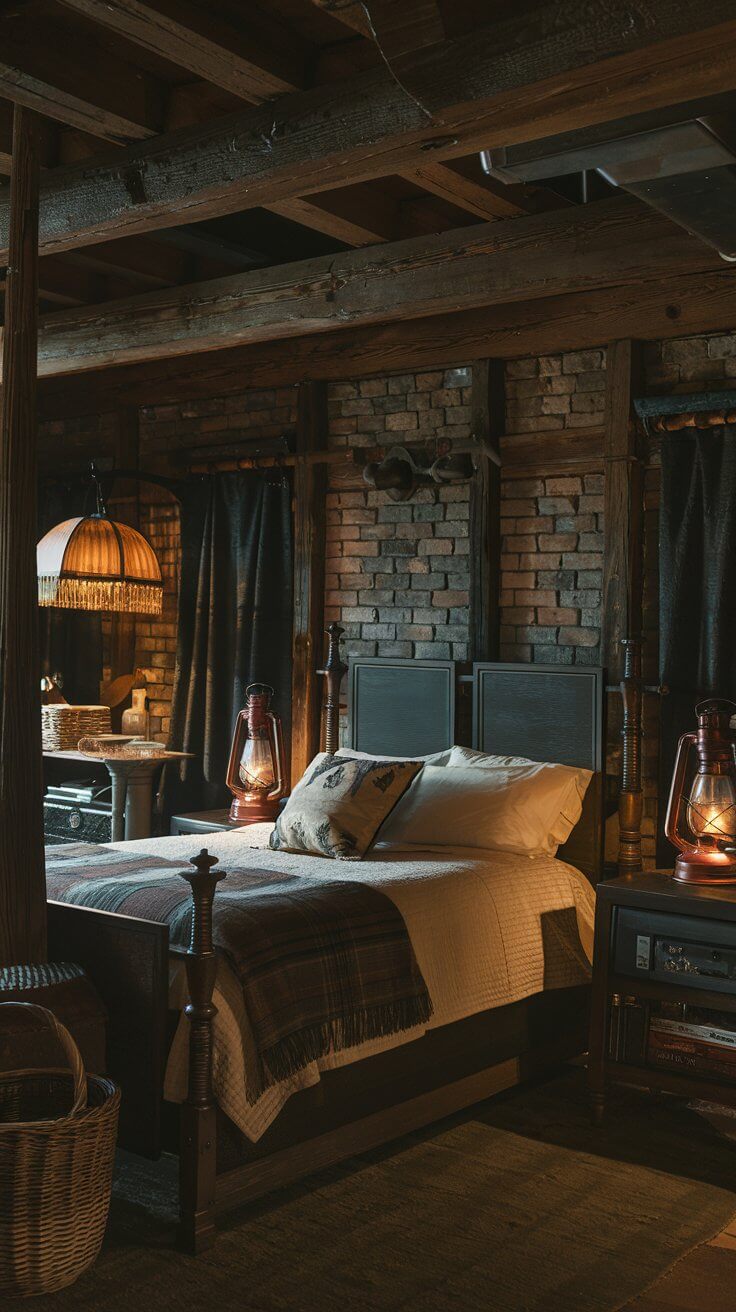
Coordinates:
(196, 39)
(673, 306)
(574, 250)
(584, 68)
(87, 88)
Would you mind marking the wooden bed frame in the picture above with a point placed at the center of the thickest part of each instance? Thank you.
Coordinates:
(371, 1102)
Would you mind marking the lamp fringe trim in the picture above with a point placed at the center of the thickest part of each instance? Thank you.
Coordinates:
(96, 594)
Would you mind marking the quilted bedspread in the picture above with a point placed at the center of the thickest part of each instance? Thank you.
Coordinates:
(487, 928)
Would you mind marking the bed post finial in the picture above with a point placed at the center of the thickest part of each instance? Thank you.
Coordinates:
(197, 1158)
(334, 670)
(630, 802)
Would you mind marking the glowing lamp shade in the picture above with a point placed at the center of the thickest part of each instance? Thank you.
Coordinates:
(701, 818)
(94, 563)
(255, 774)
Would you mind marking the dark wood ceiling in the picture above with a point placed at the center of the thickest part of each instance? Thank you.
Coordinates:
(111, 77)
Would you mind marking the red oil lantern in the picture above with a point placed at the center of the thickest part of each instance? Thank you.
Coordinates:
(255, 773)
(701, 820)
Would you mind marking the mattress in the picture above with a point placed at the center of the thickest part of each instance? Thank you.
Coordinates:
(487, 928)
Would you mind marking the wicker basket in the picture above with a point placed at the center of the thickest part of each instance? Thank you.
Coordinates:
(57, 1145)
(63, 726)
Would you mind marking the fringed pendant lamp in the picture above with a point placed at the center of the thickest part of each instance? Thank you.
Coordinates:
(94, 563)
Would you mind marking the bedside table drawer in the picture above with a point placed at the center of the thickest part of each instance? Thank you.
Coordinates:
(689, 951)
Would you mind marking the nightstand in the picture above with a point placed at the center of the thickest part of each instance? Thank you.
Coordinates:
(664, 989)
(208, 822)
(202, 822)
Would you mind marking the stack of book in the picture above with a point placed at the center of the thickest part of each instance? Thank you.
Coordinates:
(700, 1042)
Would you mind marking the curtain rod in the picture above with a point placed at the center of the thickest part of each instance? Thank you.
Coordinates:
(650, 407)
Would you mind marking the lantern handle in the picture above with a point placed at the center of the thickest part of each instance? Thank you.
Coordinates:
(278, 742)
(675, 799)
(263, 687)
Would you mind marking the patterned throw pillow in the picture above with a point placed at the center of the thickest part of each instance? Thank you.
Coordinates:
(339, 805)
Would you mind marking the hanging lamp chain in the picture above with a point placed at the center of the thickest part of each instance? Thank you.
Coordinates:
(101, 506)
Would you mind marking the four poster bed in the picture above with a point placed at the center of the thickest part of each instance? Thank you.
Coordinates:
(497, 936)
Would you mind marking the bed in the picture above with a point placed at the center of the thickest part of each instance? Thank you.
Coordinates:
(495, 936)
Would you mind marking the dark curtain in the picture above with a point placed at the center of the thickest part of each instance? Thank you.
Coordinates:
(71, 640)
(697, 557)
(235, 623)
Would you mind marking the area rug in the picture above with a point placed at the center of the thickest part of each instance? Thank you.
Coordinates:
(517, 1205)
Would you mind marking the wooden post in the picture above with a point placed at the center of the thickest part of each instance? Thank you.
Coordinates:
(22, 876)
(631, 800)
(623, 508)
(488, 422)
(198, 1151)
(310, 486)
(334, 672)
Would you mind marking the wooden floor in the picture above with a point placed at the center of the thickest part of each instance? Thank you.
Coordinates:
(704, 1281)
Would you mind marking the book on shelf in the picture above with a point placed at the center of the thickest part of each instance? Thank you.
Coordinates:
(676, 1052)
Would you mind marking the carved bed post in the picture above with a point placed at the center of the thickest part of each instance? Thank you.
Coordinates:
(630, 802)
(198, 1147)
(334, 670)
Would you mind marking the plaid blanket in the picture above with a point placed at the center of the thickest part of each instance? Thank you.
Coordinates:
(323, 964)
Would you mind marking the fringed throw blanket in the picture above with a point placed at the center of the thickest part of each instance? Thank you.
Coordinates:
(323, 964)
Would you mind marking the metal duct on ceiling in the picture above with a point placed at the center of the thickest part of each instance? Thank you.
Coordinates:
(686, 170)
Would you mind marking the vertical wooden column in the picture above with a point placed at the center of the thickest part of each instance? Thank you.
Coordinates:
(487, 420)
(22, 876)
(123, 626)
(623, 508)
(310, 487)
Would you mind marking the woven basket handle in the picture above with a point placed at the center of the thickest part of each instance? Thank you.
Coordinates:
(71, 1051)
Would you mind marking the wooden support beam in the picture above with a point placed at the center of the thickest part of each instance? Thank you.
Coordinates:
(310, 486)
(623, 511)
(487, 202)
(358, 216)
(483, 90)
(488, 419)
(22, 875)
(87, 88)
(600, 245)
(194, 38)
(350, 12)
(666, 308)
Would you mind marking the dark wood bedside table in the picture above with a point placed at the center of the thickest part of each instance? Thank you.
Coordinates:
(202, 822)
(209, 822)
(664, 952)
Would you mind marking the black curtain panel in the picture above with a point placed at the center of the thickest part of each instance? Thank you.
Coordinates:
(71, 640)
(697, 558)
(235, 623)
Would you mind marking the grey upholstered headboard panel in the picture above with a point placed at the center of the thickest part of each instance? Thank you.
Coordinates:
(401, 707)
(549, 713)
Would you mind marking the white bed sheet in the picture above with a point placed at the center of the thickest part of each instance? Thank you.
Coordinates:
(476, 923)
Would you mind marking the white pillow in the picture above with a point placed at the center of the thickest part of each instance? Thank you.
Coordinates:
(434, 758)
(529, 808)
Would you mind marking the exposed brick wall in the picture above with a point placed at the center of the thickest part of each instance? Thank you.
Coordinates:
(552, 528)
(397, 573)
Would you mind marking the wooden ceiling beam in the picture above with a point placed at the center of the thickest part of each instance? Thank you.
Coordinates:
(349, 12)
(573, 250)
(196, 39)
(487, 202)
(68, 76)
(586, 67)
(674, 306)
(358, 217)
